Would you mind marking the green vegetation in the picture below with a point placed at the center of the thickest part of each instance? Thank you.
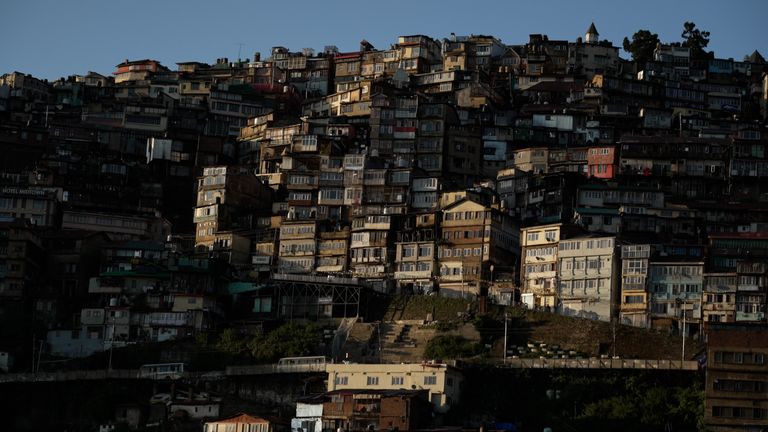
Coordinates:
(419, 307)
(584, 400)
(641, 46)
(451, 347)
(643, 43)
(694, 39)
(634, 401)
(288, 340)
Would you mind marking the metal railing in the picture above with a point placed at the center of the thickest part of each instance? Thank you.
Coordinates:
(597, 363)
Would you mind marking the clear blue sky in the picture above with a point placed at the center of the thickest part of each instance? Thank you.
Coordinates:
(54, 38)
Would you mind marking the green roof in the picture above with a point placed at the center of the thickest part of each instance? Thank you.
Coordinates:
(130, 273)
(243, 287)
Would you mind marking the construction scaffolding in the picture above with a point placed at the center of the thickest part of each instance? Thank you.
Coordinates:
(319, 297)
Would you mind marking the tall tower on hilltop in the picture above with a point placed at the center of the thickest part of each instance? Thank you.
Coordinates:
(592, 35)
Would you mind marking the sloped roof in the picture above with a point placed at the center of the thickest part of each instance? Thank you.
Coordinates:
(755, 57)
(592, 29)
(242, 418)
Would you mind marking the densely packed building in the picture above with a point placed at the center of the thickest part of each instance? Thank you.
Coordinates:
(160, 201)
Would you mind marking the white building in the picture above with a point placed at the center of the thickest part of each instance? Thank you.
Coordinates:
(309, 416)
(588, 277)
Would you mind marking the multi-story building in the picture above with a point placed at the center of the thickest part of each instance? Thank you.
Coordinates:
(719, 298)
(532, 159)
(737, 376)
(21, 260)
(590, 56)
(442, 381)
(298, 246)
(634, 301)
(364, 409)
(227, 198)
(137, 70)
(333, 252)
(40, 206)
(675, 287)
(25, 86)
(727, 249)
(588, 277)
(476, 240)
(751, 291)
(539, 247)
(601, 162)
(372, 248)
(416, 253)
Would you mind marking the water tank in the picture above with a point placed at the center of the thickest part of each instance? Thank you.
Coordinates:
(113, 302)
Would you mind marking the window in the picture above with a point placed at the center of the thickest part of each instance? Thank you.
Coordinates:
(430, 380)
(372, 380)
(397, 380)
(342, 380)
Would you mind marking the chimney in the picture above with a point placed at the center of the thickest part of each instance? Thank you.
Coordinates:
(256, 56)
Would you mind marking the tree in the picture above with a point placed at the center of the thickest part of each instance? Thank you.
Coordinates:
(642, 45)
(450, 347)
(288, 340)
(694, 39)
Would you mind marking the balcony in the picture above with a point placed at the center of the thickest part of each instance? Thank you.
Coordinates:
(424, 274)
(750, 316)
(330, 201)
(369, 271)
(162, 319)
(273, 179)
(302, 183)
(718, 307)
(331, 178)
(92, 316)
(261, 259)
(369, 260)
(105, 286)
(633, 307)
(375, 177)
(304, 143)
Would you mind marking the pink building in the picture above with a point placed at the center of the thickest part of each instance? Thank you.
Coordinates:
(601, 162)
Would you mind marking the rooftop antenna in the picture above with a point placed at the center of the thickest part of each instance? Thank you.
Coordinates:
(239, 50)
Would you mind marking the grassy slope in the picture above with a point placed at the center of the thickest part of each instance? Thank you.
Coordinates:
(586, 336)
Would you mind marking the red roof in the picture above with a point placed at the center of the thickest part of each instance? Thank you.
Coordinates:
(242, 418)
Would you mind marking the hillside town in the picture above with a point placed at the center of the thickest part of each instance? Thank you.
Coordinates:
(160, 203)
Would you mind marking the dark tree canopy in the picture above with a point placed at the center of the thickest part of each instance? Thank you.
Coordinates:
(694, 38)
(642, 45)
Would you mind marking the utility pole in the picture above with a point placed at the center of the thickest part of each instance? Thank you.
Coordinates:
(111, 346)
(39, 354)
(506, 319)
(682, 358)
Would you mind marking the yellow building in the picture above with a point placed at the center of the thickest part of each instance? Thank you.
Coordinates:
(444, 382)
